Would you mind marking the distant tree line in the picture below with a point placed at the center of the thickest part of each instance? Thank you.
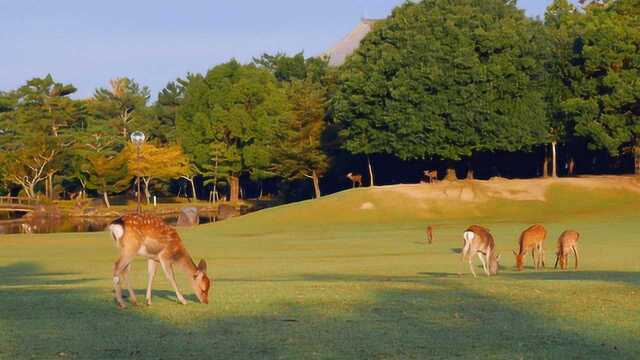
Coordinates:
(457, 84)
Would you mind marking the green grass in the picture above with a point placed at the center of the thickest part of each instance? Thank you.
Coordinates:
(324, 279)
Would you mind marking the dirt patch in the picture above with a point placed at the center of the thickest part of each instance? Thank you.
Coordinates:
(500, 188)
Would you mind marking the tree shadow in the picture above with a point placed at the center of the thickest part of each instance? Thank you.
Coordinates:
(400, 319)
(23, 273)
(628, 277)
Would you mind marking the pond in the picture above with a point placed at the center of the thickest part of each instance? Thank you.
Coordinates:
(15, 223)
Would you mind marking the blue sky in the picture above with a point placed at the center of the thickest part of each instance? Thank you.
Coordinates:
(86, 43)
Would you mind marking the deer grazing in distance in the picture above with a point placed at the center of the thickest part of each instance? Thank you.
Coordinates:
(479, 241)
(531, 239)
(355, 179)
(431, 175)
(567, 242)
(148, 236)
(429, 234)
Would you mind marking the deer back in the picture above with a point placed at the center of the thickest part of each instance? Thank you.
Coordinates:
(145, 228)
(482, 238)
(567, 239)
(531, 237)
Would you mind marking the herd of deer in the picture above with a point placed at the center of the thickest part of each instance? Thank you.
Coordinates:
(149, 236)
(479, 241)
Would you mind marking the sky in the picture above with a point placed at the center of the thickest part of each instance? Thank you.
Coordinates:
(86, 43)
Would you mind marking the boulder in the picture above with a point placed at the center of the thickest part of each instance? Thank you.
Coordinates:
(226, 211)
(188, 217)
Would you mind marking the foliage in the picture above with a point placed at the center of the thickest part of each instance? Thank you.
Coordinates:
(442, 79)
(602, 74)
(299, 152)
(123, 105)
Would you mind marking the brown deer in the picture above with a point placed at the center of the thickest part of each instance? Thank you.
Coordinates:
(567, 242)
(355, 178)
(429, 234)
(431, 175)
(479, 241)
(531, 239)
(148, 236)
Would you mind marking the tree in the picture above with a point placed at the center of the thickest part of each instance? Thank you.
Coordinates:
(288, 68)
(604, 101)
(107, 173)
(444, 79)
(156, 162)
(240, 106)
(38, 126)
(125, 102)
(299, 152)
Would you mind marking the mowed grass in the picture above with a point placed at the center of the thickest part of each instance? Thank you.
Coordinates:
(325, 279)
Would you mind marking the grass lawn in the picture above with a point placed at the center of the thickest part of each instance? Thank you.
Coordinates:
(325, 279)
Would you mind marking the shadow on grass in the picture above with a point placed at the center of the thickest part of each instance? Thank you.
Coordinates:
(23, 273)
(445, 321)
(627, 277)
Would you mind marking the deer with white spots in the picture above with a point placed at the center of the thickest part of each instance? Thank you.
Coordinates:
(147, 235)
(479, 241)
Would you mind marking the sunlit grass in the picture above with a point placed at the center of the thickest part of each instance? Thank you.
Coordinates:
(325, 279)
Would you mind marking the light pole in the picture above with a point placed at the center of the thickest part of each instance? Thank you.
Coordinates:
(137, 138)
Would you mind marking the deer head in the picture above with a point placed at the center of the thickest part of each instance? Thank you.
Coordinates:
(519, 260)
(201, 282)
(494, 265)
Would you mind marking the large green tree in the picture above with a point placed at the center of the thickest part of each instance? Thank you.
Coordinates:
(603, 75)
(444, 79)
(299, 153)
(239, 106)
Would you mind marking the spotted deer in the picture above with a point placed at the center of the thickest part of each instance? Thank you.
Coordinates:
(532, 239)
(147, 235)
(567, 242)
(431, 175)
(355, 179)
(479, 241)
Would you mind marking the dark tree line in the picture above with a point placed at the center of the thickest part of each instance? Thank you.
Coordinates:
(472, 86)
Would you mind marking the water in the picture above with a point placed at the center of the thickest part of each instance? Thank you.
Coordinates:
(15, 224)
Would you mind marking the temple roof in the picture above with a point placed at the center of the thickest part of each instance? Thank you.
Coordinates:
(340, 51)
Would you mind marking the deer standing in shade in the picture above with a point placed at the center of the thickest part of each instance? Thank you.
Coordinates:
(355, 179)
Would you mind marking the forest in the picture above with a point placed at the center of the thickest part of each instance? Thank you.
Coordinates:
(474, 89)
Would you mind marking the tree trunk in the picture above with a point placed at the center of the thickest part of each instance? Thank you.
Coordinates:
(371, 182)
(636, 159)
(193, 189)
(234, 189)
(147, 194)
(451, 174)
(545, 163)
(316, 184)
(470, 173)
(554, 169)
(106, 199)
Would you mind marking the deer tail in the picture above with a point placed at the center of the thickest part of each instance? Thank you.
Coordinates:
(117, 231)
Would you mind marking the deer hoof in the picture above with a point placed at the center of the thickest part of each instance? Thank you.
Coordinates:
(148, 302)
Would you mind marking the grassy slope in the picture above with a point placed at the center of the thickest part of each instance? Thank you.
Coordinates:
(324, 279)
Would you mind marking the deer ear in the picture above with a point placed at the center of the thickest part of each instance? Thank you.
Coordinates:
(202, 265)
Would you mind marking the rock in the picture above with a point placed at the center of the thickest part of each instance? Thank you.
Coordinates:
(367, 206)
(226, 211)
(188, 217)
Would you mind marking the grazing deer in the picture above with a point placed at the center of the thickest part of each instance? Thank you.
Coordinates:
(148, 236)
(431, 175)
(478, 240)
(531, 239)
(567, 242)
(355, 178)
(429, 234)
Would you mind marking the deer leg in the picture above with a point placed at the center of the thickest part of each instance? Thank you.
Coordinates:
(471, 266)
(127, 284)
(484, 263)
(119, 265)
(152, 266)
(575, 252)
(542, 255)
(463, 253)
(557, 258)
(168, 272)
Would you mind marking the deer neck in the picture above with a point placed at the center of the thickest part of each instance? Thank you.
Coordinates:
(185, 262)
